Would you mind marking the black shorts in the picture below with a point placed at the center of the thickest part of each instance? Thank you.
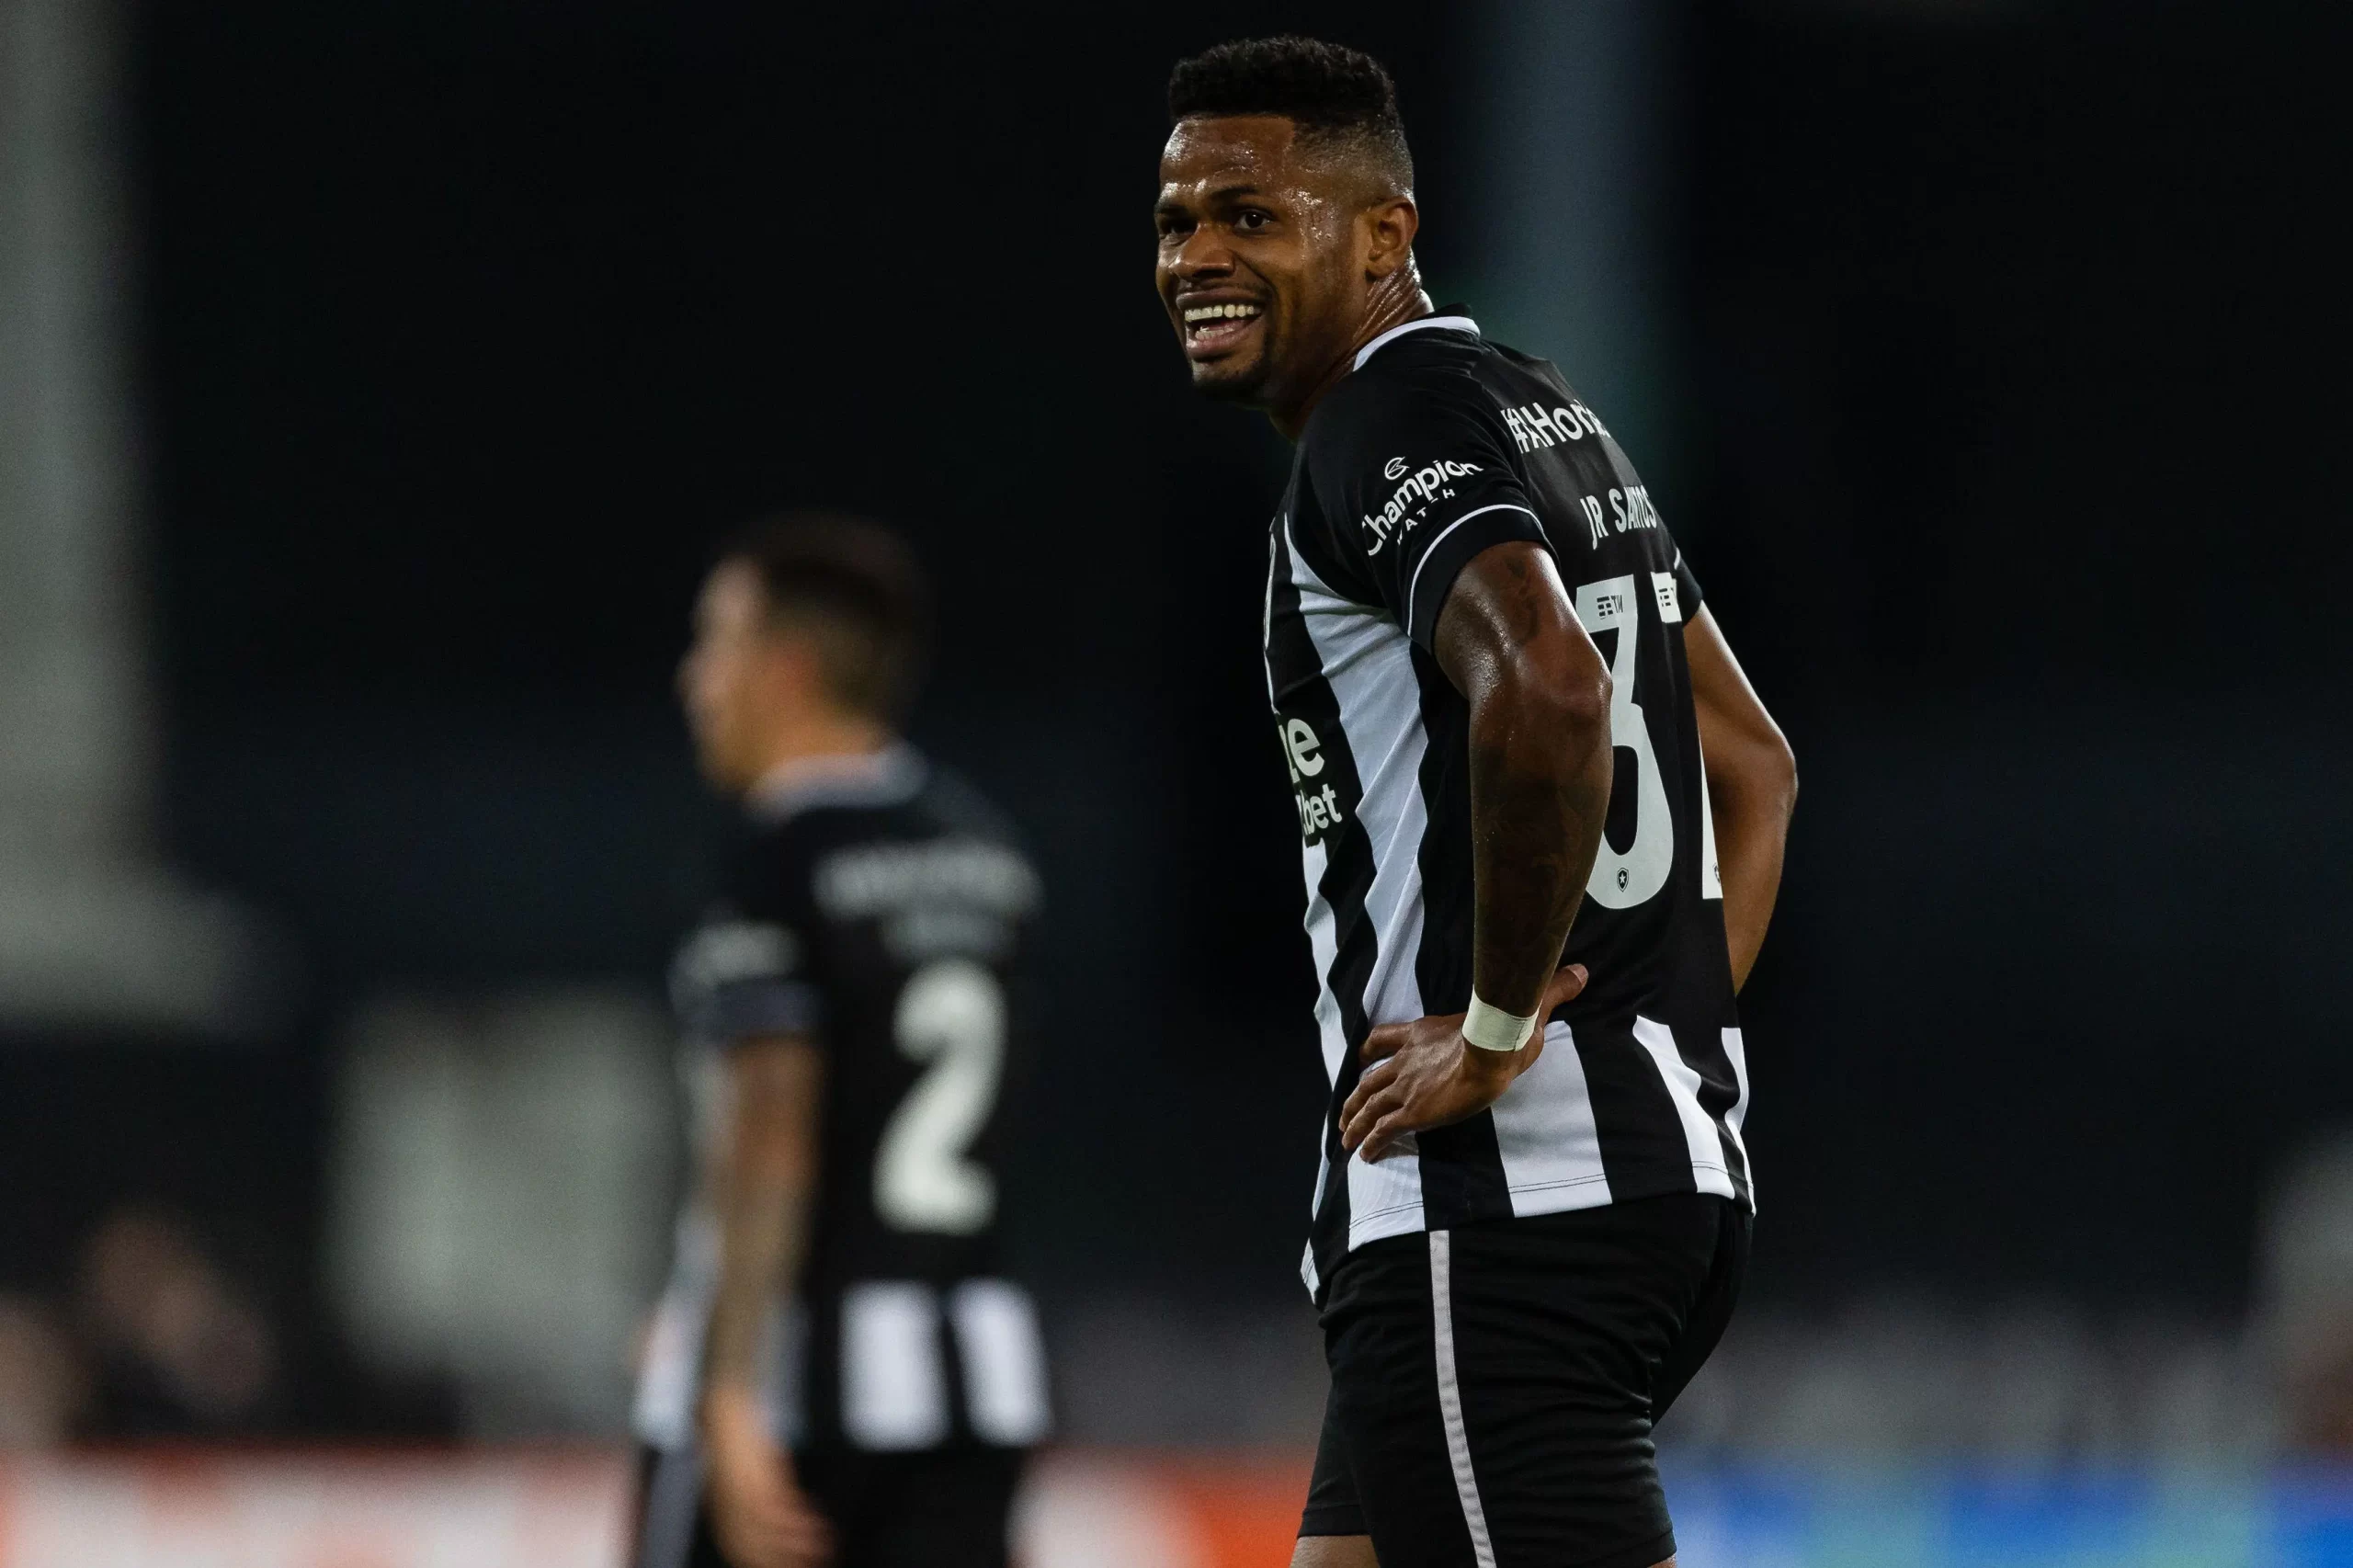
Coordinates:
(947, 1508)
(1494, 1387)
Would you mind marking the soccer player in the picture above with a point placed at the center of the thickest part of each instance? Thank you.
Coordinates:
(868, 1381)
(1541, 816)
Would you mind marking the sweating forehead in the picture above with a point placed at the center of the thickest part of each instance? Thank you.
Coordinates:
(1257, 146)
(1208, 152)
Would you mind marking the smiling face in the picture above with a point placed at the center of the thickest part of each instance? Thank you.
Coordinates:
(1270, 257)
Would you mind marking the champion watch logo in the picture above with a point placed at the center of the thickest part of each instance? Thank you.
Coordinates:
(1416, 490)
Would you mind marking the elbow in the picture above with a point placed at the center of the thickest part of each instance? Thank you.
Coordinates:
(1781, 773)
(1588, 701)
(1753, 772)
(1574, 703)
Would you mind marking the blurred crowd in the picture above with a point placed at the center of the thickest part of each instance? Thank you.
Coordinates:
(158, 1335)
(164, 1327)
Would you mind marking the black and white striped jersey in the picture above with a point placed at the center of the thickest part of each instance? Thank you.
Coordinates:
(878, 908)
(1437, 446)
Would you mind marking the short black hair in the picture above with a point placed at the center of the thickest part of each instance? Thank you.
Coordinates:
(1328, 90)
(855, 588)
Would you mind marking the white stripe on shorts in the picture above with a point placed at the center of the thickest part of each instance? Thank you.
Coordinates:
(1449, 1397)
(672, 1496)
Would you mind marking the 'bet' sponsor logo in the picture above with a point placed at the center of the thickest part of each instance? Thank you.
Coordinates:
(1533, 426)
(1411, 501)
(1319, 803)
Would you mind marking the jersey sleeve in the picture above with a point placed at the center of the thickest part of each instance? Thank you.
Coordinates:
(746, 971)
(1687, 588)
(1414, 481)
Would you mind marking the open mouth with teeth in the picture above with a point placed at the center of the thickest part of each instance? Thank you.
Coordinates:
(1210, 329)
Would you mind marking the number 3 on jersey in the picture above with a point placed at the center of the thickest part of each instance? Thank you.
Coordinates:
(951, 1015)
(1622, 880)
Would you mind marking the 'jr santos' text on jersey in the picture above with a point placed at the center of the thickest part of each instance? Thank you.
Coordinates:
(876, 908)
(1437, 446)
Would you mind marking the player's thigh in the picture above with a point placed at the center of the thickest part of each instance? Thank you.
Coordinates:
(947, 1509)
(1386, 1412)
(671, 1527)
(1561, 1330)
(1704, 1327)
(1333, 1551)
(1331, 1509)
(1493, 1385)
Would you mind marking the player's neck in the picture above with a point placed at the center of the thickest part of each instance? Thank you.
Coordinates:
(1388, 308)
(814, 739)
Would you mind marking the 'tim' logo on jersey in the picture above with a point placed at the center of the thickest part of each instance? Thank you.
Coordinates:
(1318, 802)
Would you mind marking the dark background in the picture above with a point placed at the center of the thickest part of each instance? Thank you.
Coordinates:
(2004, 357)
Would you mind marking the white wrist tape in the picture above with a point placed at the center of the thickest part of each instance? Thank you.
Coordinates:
(1492, 1028)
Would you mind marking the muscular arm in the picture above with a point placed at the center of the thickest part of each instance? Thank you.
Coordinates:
(764, 1173)
(1752, 784)
(1539, 693)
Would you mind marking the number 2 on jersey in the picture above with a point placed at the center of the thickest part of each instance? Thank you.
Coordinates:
(951, 1015)
(1622, 880)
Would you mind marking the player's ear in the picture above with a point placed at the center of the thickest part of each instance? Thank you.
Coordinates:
(1391, 225)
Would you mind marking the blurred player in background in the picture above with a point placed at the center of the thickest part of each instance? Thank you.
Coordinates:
(839, 1373)
(1533, 1212)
